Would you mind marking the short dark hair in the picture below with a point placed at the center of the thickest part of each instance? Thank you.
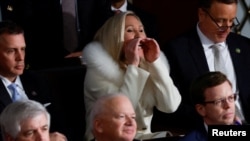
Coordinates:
(207, 3)
(10, 27)
(204, 81)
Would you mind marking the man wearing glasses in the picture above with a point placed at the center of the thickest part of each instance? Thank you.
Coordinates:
(214, 100)
(192, 54)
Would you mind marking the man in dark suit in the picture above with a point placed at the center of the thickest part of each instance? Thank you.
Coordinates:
(191, 55)
(28, 84)
(94, 13)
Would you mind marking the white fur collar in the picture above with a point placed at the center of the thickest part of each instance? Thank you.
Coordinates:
(97, 59)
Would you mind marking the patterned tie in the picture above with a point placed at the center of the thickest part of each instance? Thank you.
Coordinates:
(15, 95)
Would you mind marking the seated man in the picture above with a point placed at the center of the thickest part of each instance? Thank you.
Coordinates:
(113, 118)
(27, 120)
(214, 100)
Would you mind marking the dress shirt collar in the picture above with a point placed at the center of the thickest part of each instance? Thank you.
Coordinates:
(206, 43)
(6, 82)
(123, 8)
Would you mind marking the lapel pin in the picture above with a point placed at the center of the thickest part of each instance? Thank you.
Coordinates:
(33, 93)
(9, 8)
(237, 50)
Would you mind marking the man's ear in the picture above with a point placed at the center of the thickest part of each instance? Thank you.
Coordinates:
(201, 13)
(200, 109)
(98, 125)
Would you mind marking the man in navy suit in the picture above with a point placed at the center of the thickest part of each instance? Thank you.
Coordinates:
(12, 65)
(214, 100)
(191, 55)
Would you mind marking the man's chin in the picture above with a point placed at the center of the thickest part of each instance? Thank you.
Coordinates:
(19, 72)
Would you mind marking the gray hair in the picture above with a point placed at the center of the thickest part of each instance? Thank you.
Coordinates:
(16, 112)
(99, 106)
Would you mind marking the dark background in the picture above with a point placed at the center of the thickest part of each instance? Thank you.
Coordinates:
(173, 17)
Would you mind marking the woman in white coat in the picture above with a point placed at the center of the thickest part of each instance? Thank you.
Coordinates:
(123, 59)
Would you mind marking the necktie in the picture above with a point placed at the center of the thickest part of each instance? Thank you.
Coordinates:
(238, 112)
(15, 95)
(219, 62)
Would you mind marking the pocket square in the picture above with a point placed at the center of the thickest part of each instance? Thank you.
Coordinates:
(46, 104)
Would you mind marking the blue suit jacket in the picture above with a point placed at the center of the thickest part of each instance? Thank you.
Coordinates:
(187, 61)
(199, 134)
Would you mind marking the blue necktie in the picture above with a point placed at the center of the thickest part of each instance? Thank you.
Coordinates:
(15, 95)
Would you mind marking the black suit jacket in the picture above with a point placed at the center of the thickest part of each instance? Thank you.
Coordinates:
(94, 13)
(187, 61)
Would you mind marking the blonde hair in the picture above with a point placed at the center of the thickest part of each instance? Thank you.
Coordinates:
(111, 35)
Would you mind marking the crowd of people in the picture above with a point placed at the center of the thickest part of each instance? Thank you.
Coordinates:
(129, 74)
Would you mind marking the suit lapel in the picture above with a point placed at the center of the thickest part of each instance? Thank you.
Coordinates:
(5, 97)
(235, 50)
(28, 85)
(202, 135)
(197, 53)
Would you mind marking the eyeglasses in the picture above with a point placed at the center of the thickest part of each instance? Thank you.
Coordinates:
(219, 23)
(221, 101)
